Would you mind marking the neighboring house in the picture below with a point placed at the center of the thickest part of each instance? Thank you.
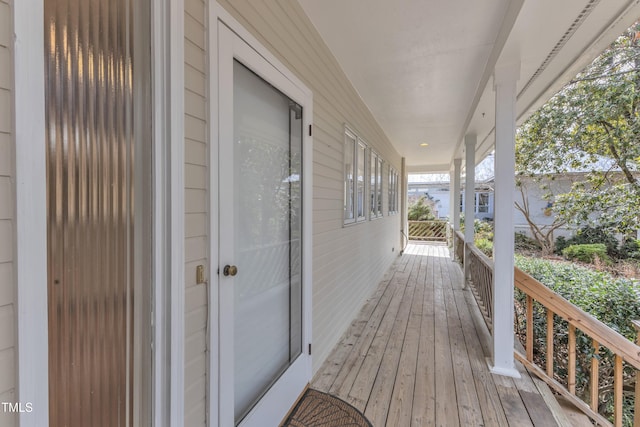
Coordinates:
(197, 197)
(440, 194)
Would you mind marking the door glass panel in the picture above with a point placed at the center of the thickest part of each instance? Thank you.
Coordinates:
(268, 227)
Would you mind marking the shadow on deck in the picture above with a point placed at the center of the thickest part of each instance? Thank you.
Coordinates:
(416, 355)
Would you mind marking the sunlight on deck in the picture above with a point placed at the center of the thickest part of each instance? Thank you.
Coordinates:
(416, 354)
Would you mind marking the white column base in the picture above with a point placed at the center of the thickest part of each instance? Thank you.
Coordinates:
(505, 372)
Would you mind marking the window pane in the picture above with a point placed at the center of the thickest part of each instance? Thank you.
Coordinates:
(379, 187)
(349, 151)
(483, 202)
(372, 184)
(361, 195)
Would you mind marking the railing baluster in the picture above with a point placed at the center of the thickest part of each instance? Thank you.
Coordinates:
(617, 393)
(550, 343)
(571, 381)
(636, 396)
(595, 377)
(529, 320)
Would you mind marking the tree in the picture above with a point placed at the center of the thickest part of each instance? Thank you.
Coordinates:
(543, 234)
(593, 126)
(421, 210)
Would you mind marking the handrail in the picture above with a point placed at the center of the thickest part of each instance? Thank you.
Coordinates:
(481, 281)
(601, 335)
(588, 324)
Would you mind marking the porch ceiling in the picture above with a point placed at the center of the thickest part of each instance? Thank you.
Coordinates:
(424, 68)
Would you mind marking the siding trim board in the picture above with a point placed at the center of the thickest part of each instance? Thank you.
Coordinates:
(31, 249)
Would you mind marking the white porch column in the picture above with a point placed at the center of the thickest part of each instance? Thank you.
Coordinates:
(505, 79)
(469, 197)
(454, 189)
(404, 194)
(454, 202)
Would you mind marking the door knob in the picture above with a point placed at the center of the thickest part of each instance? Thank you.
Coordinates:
(230, 270)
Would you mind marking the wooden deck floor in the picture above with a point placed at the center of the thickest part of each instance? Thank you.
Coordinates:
(416, 355)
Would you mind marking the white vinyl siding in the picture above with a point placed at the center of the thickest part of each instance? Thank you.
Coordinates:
(348, 261)
(8, 366)
(196, 216)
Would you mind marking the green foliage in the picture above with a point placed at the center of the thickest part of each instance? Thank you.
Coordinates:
(525, 243)
(613, 301)
(590, 235)
(587, 253)
(421, 210)
(592, 125)
(485, 246)
(630, 249)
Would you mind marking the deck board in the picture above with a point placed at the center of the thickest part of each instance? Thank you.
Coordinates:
(416, 354)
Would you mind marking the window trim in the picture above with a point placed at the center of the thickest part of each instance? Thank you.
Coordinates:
(376, 163)
(392, 183)
(359, 148)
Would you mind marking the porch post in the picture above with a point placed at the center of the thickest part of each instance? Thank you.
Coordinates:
(469, 198)
(454, 204)
(454, 189)
(404, 193)
(505, 78)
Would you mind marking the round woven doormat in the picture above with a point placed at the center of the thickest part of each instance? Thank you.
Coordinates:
(317, 409)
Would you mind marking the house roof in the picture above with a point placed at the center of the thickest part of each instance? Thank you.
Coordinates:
(424, 68)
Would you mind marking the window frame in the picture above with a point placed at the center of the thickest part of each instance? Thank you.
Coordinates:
(375, 184)
(355, 205)
(392, 190)
(486, 205)
(349, 199)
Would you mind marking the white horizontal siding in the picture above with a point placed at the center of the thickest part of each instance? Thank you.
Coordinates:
(196, 215)
(348, 261)
(7, 207)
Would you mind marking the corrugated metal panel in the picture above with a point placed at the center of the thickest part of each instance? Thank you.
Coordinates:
(89, 98)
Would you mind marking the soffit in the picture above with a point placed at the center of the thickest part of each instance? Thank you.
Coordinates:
(424, 68)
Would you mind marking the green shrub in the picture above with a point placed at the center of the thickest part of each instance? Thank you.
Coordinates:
(525, 243)
(613, 301)
(485, 246)
(421, 210)
(590, 235)
(630, 249)
(587, 253)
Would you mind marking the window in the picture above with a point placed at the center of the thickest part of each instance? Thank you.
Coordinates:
(354, 178)
(393, 191)
(375, 185)
(379, 178)
(360, 156)
(349, 174)
(482, 202)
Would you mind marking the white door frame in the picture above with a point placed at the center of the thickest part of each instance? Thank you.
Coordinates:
(219, 16)
(30, 214)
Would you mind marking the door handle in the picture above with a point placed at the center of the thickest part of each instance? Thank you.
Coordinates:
(230, 270)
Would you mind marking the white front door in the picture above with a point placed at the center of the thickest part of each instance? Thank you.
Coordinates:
(264, 360)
